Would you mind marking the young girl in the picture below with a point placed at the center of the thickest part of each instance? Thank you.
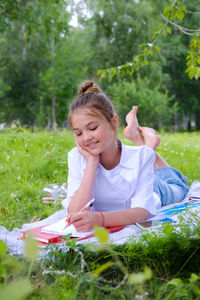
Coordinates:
(128, 183)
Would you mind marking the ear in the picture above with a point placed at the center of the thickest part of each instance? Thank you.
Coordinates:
(115, 121)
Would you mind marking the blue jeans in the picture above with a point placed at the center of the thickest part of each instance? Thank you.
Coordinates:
(170, 185)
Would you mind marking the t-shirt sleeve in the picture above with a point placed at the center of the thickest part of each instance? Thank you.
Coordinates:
(143, 195)
(74, 175)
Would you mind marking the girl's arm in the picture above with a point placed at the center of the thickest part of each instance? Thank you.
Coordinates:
(84, 193)
(86, 220)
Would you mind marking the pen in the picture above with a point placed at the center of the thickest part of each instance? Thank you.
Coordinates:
(89, 204)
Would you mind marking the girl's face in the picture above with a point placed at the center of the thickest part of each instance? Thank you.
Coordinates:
(93, 133)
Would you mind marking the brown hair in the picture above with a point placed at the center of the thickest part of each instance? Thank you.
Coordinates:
(90, 96)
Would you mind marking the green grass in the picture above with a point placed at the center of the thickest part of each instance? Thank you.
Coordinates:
(26, 168)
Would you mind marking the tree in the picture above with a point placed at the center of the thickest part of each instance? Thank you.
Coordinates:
(169, 54)
(43, 60)
(117, 28)
(171, 15)
(69, 69)
(54, 28)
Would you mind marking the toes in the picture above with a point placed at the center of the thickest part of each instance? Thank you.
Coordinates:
(134, 109)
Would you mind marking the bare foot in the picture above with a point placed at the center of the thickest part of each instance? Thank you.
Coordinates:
(132, 131)
(150, 138)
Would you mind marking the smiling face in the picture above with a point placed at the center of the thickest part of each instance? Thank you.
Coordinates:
(93, 132)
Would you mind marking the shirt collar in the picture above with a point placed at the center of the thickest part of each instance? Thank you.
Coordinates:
(126, 163)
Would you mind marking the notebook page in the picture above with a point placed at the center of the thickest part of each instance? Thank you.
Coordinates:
(60, 228)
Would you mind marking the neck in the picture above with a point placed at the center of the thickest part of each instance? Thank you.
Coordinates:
(111, 158)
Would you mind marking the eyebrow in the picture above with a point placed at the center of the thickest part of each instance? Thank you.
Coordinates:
(88, 124)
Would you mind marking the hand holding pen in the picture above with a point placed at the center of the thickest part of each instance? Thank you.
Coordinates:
(88, 205)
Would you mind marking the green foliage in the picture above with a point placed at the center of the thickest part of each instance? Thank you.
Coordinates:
(40, 63)
(43, 59)
(154, 105)
(31, 249)
(11, 287)
(174, 11)
(16, 290)
(102, 234)
(141, 277)
(193, 58)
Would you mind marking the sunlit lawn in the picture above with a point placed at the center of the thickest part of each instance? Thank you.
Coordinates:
(31, 160)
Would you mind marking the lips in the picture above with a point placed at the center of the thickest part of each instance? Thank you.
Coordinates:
(92, 145)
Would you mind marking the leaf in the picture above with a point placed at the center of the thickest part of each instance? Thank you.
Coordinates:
(182, 7)
(156, 48)
(143, 45)
(148, 273)
(16, 290)
(100, 72)
(104, 75)
(139, 278)
(151, 52)
(155, 35)
(102, 268)
(136, 278)
(167, 11)
(31, 247)
(168, 30)
(196, 290)
(196, 75)
(176, 281)
(102, 234)
(193, 277)
(180, 14)
(158, 27)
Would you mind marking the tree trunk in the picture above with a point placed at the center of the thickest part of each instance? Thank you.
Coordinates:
(53, 106)
(197, 119)
(24, 41)
(176, 123)
(53, 101)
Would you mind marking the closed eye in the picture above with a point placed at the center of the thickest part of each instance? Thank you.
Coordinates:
(78, 134)
(94, 128)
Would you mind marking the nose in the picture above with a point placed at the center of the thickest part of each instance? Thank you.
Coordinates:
(87, 136)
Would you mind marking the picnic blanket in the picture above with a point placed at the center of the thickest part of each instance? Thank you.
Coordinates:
(16, 246)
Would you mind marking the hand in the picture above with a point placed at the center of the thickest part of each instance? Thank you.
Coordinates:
(87, 154)
(83, 221)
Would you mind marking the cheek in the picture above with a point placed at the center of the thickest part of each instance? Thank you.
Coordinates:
(78, 140)
(110, 133)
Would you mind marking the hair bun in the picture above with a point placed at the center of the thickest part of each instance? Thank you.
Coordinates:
(88, 87)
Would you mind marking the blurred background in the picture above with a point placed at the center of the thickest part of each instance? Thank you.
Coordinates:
(47, 48)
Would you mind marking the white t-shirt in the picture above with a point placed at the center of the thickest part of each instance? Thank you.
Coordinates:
(128, 185)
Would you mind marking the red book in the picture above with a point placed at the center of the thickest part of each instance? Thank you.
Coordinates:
(42, 236)
(47, 238)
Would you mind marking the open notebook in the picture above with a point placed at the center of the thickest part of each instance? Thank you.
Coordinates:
(61, 228)
(56, 232)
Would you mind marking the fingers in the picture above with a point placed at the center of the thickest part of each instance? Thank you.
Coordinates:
(82, 221)
(76, 217)
(68, 220)
(72, 218)
(83, 151)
